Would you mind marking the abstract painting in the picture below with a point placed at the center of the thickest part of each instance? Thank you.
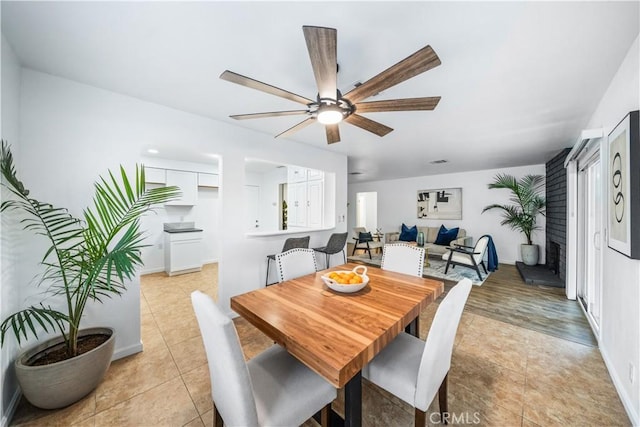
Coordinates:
(623, 183)
(444, 203)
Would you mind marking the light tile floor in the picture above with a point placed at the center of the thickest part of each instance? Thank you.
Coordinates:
(501, 375)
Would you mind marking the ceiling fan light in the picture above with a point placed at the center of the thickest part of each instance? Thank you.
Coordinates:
(330, 114)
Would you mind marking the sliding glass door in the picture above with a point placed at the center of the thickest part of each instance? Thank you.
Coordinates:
(590, 239)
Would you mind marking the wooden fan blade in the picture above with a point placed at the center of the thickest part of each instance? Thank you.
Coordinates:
(333, 133)
(407, 104)
(322, 47)
(368, 124)
(271, 114)
(232, 77)
(303, 124)
(421, 61)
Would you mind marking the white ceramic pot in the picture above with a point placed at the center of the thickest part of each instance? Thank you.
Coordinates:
(529, 254)
(60, 384)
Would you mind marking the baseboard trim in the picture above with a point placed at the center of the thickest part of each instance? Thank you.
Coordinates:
(161, 269)
(127, 351)
(11, 408)
(152, 270)
(617, 383)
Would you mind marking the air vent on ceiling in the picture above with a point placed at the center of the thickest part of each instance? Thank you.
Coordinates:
(355, 173)
(437, 162)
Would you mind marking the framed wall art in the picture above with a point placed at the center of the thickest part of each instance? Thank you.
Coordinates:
(444, 203)
(623, 187)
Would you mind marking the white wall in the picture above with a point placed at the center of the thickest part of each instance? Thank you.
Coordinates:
(397, 205)
(11, 243)
(88, 130)
(620, 325)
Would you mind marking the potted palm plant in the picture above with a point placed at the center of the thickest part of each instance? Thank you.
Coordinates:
(528, 203)
(87, 260)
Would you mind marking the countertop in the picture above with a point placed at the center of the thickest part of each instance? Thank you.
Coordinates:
(183, 230)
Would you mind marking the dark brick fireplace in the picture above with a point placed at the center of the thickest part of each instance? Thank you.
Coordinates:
(556, 228)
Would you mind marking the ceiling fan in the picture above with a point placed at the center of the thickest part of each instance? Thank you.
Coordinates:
(331, 107)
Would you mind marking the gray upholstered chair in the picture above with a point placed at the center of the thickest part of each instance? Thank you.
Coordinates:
(295, 263)
(468, 256)
(415, 370)
(290, 243)
(271, 389)
(336, 244)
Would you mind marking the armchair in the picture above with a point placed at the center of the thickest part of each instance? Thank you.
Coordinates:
(364, 241)
(468, 256)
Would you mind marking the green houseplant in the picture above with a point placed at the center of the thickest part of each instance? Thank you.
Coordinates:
(528, 202)
(87, 260)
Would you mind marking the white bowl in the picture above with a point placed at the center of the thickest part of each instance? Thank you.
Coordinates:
(347, 289)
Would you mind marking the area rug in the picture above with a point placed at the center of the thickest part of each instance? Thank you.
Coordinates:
(435, 269)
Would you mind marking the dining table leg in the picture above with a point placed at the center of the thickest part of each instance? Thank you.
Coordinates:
(353, 401)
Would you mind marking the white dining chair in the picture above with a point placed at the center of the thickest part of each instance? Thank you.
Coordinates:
(414, 370)
(403, 258)
(271, 389)
(295, 263)
(406, 259)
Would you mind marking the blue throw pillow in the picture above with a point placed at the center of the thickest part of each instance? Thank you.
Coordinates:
(446, 236)
(408, 234)
(365, 237)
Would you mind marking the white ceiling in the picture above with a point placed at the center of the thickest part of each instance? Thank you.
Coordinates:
(518, 80)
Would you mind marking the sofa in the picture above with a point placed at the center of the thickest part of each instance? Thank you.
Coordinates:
(430, 236)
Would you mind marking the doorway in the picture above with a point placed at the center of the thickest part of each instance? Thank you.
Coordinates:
(590, 204)
(367, 210)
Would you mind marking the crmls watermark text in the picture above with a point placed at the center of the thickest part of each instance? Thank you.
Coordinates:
(455, 418)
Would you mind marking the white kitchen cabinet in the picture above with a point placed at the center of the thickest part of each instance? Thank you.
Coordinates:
(208, 180)
(315, 205)
(297, 204)
(296, 174)
(188, 183)
(314, 174)
(155, 175)
(182, 252)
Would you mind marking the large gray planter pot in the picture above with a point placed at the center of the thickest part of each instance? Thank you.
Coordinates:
(529, 254)
(60, 384)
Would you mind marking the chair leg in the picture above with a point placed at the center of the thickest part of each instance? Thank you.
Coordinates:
(420, 418)
(446, 269)
(369, 250)
(355, 246)
(475, 266)
(327, 255)
(442, 400)
(344, 256)
(325, 415)
(266, 280)
(217, 418)
(483, 267)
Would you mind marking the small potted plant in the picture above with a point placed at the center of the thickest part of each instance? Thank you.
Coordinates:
(528, 203)
(87, 260)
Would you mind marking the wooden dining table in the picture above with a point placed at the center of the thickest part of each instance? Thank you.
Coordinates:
(337, 334)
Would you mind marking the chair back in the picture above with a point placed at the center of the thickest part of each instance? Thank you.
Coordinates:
(403, 258)
(296, 242)
(358, 230)
(295, 263)
(230, 381)
(336, 243)
(480, 248)
(436, 359)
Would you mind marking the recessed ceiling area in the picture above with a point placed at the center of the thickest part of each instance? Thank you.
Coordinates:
(518, 80)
